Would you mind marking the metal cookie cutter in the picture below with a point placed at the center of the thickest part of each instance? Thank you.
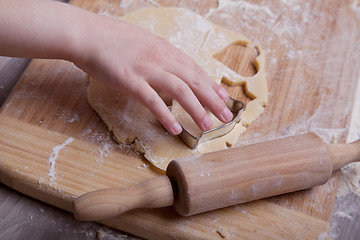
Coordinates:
(235, 106)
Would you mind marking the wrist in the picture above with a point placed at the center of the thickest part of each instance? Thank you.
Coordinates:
(75, 36)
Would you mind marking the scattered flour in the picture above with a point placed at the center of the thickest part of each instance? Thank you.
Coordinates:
(69, 117)
(53, 155)
(350, 175)
(349, 180)
(41, 180)
(109, 234)
(284, 31)
(324, 236)
(348, 194)
(354, 129)
(355, 5)
(104, 152)
(144, 165)
(125, 3)
(153, 3)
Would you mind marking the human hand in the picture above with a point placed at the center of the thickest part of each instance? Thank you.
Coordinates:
(125, 57)
(138, 63)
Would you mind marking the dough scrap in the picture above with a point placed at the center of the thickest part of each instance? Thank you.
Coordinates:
(132, 123)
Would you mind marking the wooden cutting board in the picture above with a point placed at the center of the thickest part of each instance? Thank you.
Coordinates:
(313, 68)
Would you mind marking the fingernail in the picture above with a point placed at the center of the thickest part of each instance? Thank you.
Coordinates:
(223, 94)
(206, 124)
(176, 129)
(226, 115)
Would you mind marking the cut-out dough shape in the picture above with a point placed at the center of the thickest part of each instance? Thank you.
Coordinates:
(131, 122)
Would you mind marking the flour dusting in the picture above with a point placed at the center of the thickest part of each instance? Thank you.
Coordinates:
(53, 155)
(355, 5)
(280, 30)
(348, 193)
(324, 236)
(350, 174)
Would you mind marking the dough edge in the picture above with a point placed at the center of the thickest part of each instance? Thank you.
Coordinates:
(255, 87)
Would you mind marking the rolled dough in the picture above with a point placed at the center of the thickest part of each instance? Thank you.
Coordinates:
(132, 123)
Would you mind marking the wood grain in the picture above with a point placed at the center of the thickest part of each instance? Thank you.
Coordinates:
(111, 202)
(240, 59)
(225, 178)
(312, 71)
(24, 164)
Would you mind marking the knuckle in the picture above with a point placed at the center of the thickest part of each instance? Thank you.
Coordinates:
(158, 109)
(218, 107)
(181, 90)
(201, 114)
(142, 66)
(152, 100)
(149, 100)
(197, 79)
(164, 118)
(197, 83)
(216, 87)
(196, 68)
(138, 89)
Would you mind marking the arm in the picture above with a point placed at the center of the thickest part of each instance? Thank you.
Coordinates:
(49, 29)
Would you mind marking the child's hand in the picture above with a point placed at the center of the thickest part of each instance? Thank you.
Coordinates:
(124, 56)
(139, 63)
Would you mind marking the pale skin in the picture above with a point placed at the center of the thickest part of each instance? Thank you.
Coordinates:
(125, 57)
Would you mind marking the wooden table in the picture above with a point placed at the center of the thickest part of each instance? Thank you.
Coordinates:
(28, 215)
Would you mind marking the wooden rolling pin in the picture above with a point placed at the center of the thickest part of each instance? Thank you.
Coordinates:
(224, 178)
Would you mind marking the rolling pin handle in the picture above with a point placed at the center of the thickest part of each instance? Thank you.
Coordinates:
(107, 203)
(343, 154)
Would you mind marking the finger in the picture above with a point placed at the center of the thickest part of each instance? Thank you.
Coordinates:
(180, 91)
(151, 100)
(217, 106)
(220, 91)
(188, 62)
(210, 94)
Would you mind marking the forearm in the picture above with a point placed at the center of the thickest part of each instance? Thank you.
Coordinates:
(40, 29)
